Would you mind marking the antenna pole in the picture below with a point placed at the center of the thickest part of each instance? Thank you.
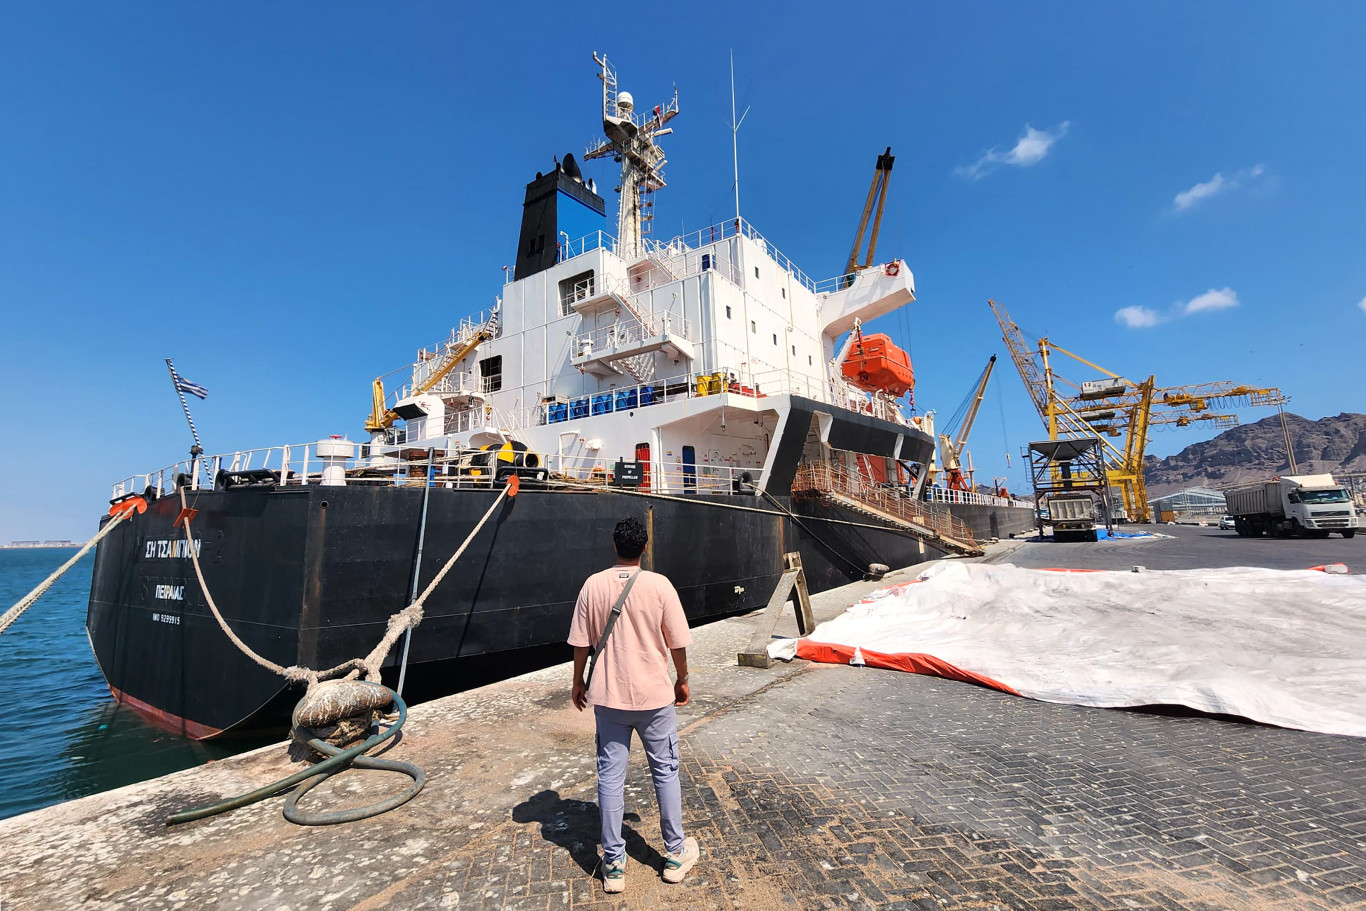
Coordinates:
(734, 136)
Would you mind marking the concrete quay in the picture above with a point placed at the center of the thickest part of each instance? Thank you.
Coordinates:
(808, 786)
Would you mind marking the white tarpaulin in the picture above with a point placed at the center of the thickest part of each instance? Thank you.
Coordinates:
(1281, 647)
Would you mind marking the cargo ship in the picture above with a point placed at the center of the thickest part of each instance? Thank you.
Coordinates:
(703, 383)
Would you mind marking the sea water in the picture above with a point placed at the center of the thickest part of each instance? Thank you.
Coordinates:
(62, 735)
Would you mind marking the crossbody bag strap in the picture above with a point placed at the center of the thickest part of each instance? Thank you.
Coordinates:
(611, 622)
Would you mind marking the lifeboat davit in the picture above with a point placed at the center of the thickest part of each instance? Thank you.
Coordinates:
(874, 364)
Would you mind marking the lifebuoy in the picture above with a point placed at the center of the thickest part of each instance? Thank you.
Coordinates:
(892, 269)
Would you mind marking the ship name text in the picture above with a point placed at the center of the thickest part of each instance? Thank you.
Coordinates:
(171, 548)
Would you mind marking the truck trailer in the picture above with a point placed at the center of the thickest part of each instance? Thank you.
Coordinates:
(1306, 506)
(1073, 516)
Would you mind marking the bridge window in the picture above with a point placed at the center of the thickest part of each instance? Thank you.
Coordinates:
(491, 373)
(573, 289)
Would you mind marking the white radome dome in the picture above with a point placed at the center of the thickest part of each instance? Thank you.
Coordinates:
(624, 100)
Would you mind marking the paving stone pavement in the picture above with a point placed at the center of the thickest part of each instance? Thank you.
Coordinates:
(858, 788)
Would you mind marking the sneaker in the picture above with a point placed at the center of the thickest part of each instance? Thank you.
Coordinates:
(614, 875)
(676, 866)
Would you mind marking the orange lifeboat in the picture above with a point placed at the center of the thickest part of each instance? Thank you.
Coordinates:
(875, 364)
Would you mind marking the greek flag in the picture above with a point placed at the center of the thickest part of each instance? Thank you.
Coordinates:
(184, 385)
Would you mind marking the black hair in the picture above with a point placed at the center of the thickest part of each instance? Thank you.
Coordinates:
(629, 537)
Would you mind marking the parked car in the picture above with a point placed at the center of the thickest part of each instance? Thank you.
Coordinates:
(1227, 523)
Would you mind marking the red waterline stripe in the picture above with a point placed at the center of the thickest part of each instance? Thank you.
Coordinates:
(164, 719)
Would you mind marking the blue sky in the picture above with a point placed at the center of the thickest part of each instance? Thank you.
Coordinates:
(292, 198)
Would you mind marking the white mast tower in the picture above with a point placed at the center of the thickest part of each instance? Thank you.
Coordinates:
(631, 141)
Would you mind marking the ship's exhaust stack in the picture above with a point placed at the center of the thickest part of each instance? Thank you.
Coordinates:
(560, 208)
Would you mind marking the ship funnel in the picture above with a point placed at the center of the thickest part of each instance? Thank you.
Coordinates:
(571, 168)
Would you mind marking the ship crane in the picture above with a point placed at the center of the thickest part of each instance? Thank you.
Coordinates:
(877, 193)
(382, 416)
(951, 448)
(1113, 406)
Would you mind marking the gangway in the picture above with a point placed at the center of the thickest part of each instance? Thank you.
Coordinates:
(936, 527)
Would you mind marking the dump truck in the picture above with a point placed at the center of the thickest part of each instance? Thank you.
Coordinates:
(1305, 506)
(1073, 517)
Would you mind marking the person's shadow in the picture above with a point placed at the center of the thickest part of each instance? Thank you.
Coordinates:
(574, 826)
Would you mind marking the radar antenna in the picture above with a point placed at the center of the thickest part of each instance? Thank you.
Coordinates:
(631, 141)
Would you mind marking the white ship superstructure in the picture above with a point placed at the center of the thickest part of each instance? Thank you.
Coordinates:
(684, 354)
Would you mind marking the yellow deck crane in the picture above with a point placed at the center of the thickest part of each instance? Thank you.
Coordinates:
(457, 349)
(1114, 405)
(877, 194)
(951, 448)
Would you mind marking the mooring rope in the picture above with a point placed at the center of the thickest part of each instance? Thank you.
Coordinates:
(410, 616)
(337, 759)
(28, 600)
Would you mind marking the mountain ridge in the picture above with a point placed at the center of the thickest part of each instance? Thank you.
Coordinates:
(1251, 452)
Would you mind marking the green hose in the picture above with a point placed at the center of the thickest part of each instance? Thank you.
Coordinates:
(337, 760)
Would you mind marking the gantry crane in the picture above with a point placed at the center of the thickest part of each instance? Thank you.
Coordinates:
(457, 349)
(1114, 405)
(951, 448)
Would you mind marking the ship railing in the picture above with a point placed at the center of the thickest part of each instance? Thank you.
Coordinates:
(836, 283)
(969, 498)
(683, 262)
(674, 478)
(289, 464)
(464, 382)
(776, 382)
(570, 248)
(738, 227)
(892, 499)
(632, 334)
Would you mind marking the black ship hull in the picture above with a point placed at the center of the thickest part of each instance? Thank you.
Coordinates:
(310, 575)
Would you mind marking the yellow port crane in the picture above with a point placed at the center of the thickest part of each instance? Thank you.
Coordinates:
(1114, 405)
(457, 349)
(951, 448)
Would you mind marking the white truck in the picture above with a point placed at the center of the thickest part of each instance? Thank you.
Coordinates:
(1306, 505)
(1073, 516)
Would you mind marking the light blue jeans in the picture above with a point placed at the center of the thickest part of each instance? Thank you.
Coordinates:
(658, 730)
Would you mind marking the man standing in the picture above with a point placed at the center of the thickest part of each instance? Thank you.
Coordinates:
(631, 691)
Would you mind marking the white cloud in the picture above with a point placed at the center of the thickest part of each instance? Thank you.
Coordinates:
(1030, 149)
(1216, 185)
(1187, 198)
(1362, 304)
(1213, 299)
(1138, 317)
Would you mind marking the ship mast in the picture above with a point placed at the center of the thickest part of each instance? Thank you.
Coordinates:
(631, 141)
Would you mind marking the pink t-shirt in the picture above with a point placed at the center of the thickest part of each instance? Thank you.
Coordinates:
(632, 673)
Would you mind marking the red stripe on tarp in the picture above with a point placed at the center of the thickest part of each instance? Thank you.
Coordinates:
(911, 663)
(1059, 569)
